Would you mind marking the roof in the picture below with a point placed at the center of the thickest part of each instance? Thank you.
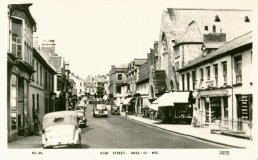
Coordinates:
(231, 20)
(139, 61)
(223, 50)
(63, 113)
(192, 34)
(43, 61)
(24, 8)
(213, 45)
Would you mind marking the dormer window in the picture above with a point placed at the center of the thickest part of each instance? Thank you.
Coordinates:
(247, 19)
(217, 18)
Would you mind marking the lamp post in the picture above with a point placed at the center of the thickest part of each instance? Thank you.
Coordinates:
(66, 77)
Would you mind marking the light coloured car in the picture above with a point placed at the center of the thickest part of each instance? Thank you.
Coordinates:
(100, 110)
(61, 129)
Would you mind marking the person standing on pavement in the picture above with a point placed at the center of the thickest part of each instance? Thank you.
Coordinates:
(36, 123)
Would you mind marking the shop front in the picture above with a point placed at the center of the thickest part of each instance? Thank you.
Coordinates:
(19, 119)
(213, 107)
(175, 108)
(128, 105)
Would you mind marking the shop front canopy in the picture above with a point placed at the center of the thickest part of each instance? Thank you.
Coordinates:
(169, 99)
(127, 101)
(154, 106)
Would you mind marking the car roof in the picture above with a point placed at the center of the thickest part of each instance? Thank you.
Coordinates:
(101, 105)
(60, 113)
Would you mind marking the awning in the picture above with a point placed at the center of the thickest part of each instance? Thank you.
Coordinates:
(154, 106)
(169, 99)
(127, 100)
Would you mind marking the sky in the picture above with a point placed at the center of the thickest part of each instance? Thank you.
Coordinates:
(95, 34)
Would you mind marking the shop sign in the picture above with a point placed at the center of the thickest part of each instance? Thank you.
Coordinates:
(244, 108)
(21, 73)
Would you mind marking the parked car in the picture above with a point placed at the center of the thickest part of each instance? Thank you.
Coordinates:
(81, 118)
(115, 110)
(100, 110)
(61, 129)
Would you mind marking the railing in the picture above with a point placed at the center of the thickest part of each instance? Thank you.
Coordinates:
(237, 127)
(17, 47)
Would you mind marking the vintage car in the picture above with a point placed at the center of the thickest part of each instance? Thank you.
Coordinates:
(81, 118)
(61, 129)
(115, 110)
(100, 110)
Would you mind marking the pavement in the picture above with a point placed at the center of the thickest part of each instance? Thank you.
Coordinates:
(195, 132)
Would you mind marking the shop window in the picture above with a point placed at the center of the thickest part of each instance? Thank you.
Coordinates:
(224, 71)
(215, 104)
(238, 69)
(13, 102)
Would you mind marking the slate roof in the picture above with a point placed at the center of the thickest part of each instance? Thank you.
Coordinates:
(139, 61)
(223, 50)
(192, 34)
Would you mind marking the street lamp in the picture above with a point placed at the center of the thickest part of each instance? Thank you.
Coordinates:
(66, 77)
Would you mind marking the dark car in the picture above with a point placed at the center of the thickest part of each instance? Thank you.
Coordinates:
(81, 118)
(115, 110)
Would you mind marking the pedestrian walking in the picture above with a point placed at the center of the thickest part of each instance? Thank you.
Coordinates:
(36, 123)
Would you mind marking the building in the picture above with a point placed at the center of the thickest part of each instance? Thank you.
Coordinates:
(19, 70)
(100, 85)
(223, 84)
(132, 77)
(157, 76)
(197, 22)
(41, 86)
(142, 88)
(79, 85)
(117, 77)
(47, 51)
(90, 87)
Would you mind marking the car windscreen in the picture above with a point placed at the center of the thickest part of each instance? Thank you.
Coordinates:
(59, 120)
(101, 107)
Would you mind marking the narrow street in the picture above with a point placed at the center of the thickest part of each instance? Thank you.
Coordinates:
(119, 132)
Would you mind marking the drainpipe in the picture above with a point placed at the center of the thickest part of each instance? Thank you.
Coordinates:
(232, 92)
